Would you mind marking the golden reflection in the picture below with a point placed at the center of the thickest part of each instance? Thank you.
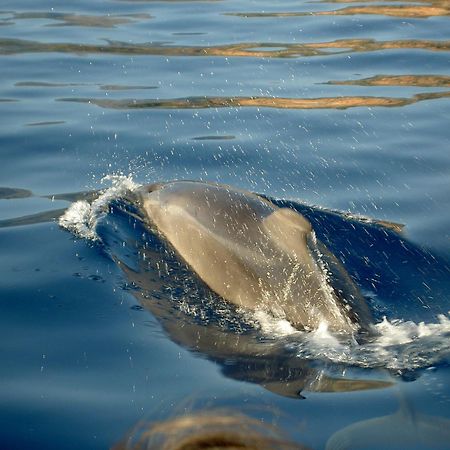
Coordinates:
(247, 49)
(371, 45)
(418, 10)
(69, 19)
(399, 80)
(427, 2)
(260, 102)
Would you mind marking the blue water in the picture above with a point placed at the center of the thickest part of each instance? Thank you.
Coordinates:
(348, 111)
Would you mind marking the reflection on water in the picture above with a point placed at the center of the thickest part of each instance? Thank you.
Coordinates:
(418, 10)
(45, 123)
(44, 84)
(214, 138)
(104, 87)
(398, 11)
(249, 49)
(118, 87)
(262, 102)
(10, 193)
(399, 80)
(73, 20)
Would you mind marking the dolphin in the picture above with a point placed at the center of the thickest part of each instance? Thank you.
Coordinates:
(195, 318)
(255, 254)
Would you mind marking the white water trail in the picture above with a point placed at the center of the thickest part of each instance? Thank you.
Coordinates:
(81, 217)
(397, 345)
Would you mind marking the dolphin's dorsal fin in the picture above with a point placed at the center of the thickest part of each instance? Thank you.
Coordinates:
(286, 222)
(290, 230)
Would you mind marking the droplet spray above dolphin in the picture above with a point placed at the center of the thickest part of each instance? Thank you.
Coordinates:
(254, 254)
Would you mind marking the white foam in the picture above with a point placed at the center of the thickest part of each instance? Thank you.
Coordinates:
(398, 345)
(81, 217)
(271, 326)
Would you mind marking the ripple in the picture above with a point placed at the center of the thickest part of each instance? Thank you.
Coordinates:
(418, 12)
(10, 193)
(245, 49)
(72, 19)
(104, 87)
(123, 87)
(214, 138)
(262, 102)
(45, 84)
(399, 80)
(45, 123)
(423, 10)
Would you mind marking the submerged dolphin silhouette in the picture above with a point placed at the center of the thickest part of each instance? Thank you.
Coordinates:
(255, 254)
(406, 428)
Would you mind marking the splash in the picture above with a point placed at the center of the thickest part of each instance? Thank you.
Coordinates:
(397, 345)
(271, 326)
(81, 217)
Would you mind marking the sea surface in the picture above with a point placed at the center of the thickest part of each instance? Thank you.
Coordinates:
(337, 109)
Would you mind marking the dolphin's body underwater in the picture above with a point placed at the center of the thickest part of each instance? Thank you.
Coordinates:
(254, 253)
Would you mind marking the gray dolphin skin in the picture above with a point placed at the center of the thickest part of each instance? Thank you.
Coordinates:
(253, 253)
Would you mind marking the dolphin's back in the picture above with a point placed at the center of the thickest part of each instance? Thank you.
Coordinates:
(247, 250)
